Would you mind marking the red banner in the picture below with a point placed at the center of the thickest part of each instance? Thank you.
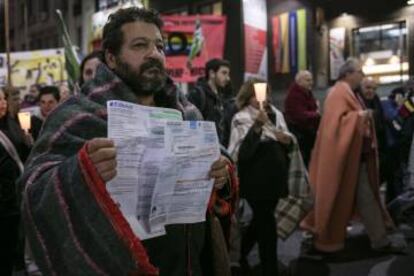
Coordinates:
(255, 43)
(190, 45)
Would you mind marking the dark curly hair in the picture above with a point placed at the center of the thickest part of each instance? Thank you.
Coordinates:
(112, 34)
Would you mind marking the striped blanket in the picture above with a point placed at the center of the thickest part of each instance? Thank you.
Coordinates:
(72, 225)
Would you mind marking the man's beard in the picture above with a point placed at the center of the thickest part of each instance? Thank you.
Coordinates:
(140, 83)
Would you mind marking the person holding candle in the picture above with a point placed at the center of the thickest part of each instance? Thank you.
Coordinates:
(259, 142)
(14, 149)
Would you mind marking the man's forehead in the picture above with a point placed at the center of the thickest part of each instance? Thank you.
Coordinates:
(305, 75)
(369, 83)
(47, 97)
(141, 30)
(224, 68)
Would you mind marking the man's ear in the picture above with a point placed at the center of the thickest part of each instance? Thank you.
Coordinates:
(110, 59)
(211, 74)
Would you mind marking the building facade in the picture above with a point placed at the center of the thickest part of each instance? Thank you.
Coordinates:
(33, 23)
(379, 32)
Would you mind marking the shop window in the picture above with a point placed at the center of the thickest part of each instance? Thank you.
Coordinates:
(180, 11)
(210, 8)
(383, 51)
(77, 8)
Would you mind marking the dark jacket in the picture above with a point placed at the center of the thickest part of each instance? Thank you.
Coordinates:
(301, 109)
(263, 168)
(379, 119)
(390, 108)
(9, 171)
(36, 125)
(210, 104)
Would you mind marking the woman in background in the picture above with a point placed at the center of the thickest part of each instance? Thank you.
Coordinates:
(259, 143)
(14, 149)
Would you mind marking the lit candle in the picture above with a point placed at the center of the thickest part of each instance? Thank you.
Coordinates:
(260, 89)
(24, 120)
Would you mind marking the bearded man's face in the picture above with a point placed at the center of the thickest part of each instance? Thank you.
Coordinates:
(141, 60)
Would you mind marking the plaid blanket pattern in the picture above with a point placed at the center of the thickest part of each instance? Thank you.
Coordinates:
(292, 209)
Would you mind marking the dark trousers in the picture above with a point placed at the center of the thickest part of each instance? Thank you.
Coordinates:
(263, 230)
(306, 141)
(393, 172)
(9, 233)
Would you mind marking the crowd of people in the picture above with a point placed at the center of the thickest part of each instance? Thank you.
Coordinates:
(53, 195)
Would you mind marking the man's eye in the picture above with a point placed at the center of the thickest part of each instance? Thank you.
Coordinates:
(140, 45)
(160, 47)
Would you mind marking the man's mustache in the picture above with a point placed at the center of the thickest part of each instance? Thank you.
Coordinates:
(151, 64)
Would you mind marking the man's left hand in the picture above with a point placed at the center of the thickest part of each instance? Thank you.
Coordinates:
(219, 172)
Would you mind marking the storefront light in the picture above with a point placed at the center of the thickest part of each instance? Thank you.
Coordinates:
(410, 2)
(393, 78)
(369, 62)
(394, 60)
(386, 68)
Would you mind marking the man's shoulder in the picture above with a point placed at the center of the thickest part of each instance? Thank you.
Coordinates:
(196, 90)
(73, 108)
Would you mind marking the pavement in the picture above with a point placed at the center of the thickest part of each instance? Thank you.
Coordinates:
(357, 259)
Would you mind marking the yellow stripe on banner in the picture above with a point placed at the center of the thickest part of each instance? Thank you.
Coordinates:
(301, 15)
(284, 30)
(409, 106)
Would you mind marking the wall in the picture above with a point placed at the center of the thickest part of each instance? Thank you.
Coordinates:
(365, 17)
(281, 82)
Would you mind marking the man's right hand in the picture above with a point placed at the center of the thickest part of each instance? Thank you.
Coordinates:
(102, 153)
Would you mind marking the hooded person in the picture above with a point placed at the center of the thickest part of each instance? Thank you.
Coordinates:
(343, 171)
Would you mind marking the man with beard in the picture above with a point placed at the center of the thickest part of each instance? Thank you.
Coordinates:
(73, 226)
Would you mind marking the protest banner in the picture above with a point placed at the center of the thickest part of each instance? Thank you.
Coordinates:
(34, 67)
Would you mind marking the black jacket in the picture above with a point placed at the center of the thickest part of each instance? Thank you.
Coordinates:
(209, 103)
(9, 171)
(263, 168)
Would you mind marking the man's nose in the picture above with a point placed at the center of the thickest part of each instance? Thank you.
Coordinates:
(154, 52)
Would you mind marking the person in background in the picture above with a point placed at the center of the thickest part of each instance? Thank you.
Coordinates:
(302, 113)
(88, 66)
(343, 171)
(391, 107)
(32, 98)
(14, 149)
(13, 101)
(207, 94)
(259, 144)
(48, 100)
(372, 102)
